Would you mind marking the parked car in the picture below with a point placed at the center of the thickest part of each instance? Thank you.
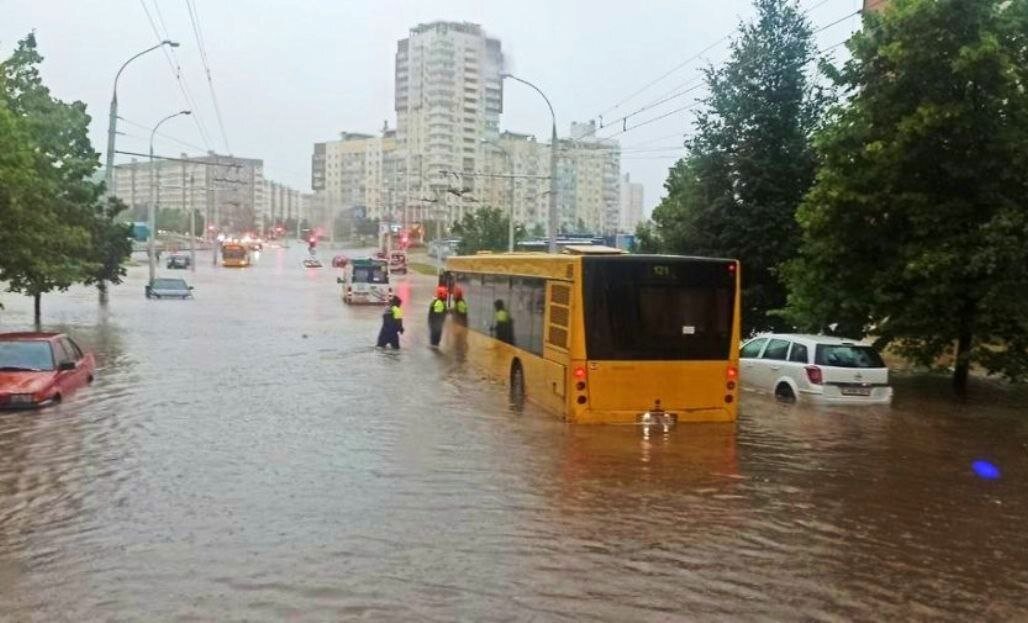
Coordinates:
(166, 288)
(38, 369)
(312, 262)
(340, 261)
(816, 368)
(178, 260)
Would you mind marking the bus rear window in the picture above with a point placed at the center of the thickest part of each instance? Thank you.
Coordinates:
(655, 309)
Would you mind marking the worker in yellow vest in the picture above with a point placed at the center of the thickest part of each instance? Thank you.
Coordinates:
(436, 316)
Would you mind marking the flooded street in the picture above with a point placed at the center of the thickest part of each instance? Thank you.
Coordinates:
(249, 456)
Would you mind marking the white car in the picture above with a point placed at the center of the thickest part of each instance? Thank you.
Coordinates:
(816, 368)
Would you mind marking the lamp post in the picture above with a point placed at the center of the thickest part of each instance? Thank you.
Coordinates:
(112, 122)
(151, 248)
(554, 222)
(510, 192)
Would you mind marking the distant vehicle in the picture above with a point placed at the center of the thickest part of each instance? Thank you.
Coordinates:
(256, 245)
(165, 288)
(443, 249)
(312, 262)
(815, 368)
(366, 281)
(398, 262)
(178, 260)
(38, 369)
(340, 261)
(235, 255)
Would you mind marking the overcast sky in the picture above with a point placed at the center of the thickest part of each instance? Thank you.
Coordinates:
(288, 73)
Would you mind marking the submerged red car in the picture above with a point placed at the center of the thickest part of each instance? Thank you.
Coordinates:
(38, 369)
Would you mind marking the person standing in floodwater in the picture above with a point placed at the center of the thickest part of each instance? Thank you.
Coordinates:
(436, 316)
(392, 325)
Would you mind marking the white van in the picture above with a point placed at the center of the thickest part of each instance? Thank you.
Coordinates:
(366, 281)
(818, 368)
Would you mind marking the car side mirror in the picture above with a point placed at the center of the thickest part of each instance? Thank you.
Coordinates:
(66, 366)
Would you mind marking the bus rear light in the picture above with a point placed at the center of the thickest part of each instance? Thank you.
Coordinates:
(730, 385)
(729, 398)
(581, 400)
(814, 375)
(580, 372)
(731, 373)
(580, 386)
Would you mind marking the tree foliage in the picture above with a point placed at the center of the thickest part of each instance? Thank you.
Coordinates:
(916, 230)
(50, 208)
(485, 229)
(750, 160)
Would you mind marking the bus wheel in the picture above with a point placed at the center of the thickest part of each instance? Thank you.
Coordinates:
(517, 386)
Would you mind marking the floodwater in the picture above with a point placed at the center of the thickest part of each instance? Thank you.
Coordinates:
(248, 456)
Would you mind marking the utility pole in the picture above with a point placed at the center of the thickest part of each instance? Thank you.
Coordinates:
(554, 219)
(192, 228)
(112, 120)
(153, 188)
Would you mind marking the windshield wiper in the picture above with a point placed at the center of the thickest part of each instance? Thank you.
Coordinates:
(18, 369)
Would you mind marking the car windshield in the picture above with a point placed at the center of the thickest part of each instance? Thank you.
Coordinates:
(27, 355)
(847, 356)
(169, 284)
(369, 275)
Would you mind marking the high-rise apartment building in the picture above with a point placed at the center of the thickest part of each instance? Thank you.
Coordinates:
(356, 175)
(230, 191)
(448, 99)
(631, 205)
(588, 181)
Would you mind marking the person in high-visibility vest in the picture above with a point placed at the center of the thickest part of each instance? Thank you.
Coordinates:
(436, 316)
(503, 326)
(460, 307)
(392, 325)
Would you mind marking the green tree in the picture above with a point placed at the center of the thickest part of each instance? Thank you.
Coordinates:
(111, 246)
(917, 228)
(750, 161)
(485, 229)
(53, 252)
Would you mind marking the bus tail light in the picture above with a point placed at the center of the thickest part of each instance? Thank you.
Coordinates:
(580, 373)
(580, 384)
(814, 375)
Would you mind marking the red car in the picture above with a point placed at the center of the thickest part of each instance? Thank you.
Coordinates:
(38, 369)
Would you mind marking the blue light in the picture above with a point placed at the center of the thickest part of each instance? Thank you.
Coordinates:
(985, 469)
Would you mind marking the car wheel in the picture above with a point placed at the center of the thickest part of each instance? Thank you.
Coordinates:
(517, 386)
(784, 393)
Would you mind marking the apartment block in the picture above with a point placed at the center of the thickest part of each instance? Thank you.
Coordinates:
(631, 205)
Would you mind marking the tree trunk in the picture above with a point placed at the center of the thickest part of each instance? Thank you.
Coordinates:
(962, 366)
(38, 312)
(101, 288)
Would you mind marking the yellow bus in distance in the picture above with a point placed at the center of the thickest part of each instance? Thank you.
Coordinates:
(235, 255)
(597, 336)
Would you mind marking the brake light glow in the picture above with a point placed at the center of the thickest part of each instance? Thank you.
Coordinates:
(731, 373)
(579, 372)
(814, 374)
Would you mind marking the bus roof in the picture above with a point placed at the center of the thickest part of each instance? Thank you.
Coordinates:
(549, 266)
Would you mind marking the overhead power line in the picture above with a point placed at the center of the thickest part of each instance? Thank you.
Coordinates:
(176, 71)
(699, 54)
(163, 135)
(197, 32)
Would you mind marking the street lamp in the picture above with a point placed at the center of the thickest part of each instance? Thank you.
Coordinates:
(112, 121)
(510, 198)
(553, 163)
(153, 190)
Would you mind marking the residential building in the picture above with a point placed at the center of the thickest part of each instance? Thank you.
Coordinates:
(448, 99)
(588, 181)
(355, 174)
(631, 205)
(229, 190)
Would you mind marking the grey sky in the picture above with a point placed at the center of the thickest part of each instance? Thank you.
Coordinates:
(289, 73)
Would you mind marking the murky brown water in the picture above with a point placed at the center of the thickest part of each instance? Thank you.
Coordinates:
(224, 467)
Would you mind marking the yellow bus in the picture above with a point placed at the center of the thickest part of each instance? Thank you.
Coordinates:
(597, 336)
(235, 255)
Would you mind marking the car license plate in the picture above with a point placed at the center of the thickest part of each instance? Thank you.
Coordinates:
(856, 391)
